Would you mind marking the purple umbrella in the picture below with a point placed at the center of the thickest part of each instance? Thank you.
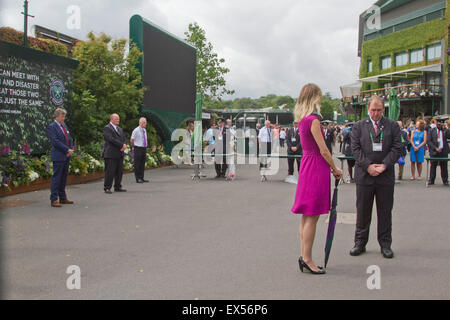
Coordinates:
(331, 223)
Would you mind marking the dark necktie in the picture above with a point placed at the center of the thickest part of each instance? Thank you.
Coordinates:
(376, 127)
(65, 135)
(145, 139)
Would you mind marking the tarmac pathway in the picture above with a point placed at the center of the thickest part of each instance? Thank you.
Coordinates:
(175, 238)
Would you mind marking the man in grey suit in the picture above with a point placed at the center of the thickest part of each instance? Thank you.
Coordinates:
(376, 146)
(115, 145)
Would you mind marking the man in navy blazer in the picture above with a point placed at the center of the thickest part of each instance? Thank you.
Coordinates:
(62, 149)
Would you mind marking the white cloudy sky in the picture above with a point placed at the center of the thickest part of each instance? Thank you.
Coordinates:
(270, 46)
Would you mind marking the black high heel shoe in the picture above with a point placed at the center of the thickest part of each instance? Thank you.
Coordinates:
(303, 264)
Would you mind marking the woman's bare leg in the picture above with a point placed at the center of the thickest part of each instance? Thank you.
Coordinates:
(419, 170)
(309, 233)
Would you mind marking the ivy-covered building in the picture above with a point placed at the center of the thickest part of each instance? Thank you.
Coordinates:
(403, 45)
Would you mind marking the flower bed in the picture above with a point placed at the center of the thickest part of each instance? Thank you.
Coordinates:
(22, 172)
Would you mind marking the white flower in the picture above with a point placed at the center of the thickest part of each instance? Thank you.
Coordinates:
(33, 175)
(77, 170)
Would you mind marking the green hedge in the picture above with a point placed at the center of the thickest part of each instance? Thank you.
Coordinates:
(402, 41)
(13, 36)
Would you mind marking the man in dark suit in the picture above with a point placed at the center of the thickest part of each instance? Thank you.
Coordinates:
(294, 148)
(221, 148)
(438, 148)
(62, 149)
(347, 148)
(376, 146)
(113, 154)
(329, 136)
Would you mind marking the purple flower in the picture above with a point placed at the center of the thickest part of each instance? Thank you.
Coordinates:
(448, 51)
(25, 149)
(5, 150)
(6, 180)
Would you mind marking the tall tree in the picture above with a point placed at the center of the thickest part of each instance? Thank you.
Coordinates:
(329, 105)
(105, 82)
(210, 68)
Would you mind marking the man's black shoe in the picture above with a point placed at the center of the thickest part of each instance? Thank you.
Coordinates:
(430, 183)
(139, 181)
(357, 250)
(146, 181)
(446, 184)
(108, 191)
(120, 190)
(387, 253)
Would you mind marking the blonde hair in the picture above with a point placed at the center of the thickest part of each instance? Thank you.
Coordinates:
(308, 102)
(421, 125)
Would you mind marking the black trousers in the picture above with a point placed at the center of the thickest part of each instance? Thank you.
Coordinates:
(113, 172)
(266, 149)
(444, 168)
(140, 156)
(221, 168)
(365, 196)
(291, 164)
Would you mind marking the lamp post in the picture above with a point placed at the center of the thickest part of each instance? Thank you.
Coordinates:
(25, 23)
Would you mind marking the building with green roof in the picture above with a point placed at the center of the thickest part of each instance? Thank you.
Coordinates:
(403, 45)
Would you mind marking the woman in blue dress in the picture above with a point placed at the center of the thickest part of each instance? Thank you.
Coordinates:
(418, 141)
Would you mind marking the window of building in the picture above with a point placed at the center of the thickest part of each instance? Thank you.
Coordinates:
(370, 66)
(434, 83)
(434, 52)
(386, 62)
(401, 59)
(417, 56)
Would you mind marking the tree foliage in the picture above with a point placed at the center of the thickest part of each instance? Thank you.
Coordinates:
(105, 82)
(210, 70)
(329, 104)
(269, 101)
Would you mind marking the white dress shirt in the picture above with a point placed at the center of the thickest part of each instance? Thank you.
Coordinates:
(139, 137)
(265, 135)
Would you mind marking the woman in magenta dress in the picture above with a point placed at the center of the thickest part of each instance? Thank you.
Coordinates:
(312, 198)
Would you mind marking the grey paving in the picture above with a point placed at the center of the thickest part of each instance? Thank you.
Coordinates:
(175, 238)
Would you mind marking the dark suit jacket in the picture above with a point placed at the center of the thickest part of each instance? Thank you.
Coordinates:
(114, 141)
(329, 138)
(347, 141)
(297, 143)
(405, 142)
(362, 149)
(432, 142)
(58, 140)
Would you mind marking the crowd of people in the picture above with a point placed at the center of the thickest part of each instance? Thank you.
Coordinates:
(418, 137)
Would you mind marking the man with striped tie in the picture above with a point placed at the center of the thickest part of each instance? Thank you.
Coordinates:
(139, 144)
(62, 149)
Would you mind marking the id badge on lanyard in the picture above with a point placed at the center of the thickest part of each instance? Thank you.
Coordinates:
(377, 147)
